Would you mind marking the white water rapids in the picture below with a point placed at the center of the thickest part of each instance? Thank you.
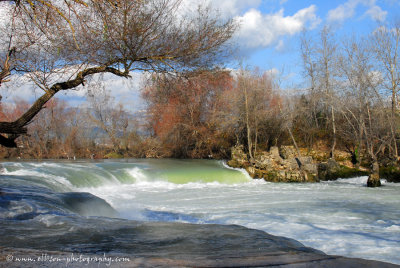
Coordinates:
(340, 218)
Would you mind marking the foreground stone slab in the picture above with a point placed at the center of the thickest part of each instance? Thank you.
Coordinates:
(175, 245)
(34, 258)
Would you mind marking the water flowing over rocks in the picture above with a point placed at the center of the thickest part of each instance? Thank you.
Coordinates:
(86, 204)
(38, 216)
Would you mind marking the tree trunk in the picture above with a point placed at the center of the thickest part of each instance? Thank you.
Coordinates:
(305, 175)
(393, 132)
(357, 155)
(359, 151)
(373, 179)
(393, 121)
(294, 142)
(255, 139)
(249, 143)
(333, 134)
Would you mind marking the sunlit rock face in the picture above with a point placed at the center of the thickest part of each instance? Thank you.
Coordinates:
(278, 165)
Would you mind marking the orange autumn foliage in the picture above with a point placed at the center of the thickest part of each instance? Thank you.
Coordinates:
(182, 111)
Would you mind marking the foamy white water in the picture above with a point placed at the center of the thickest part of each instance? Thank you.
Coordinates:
(340, 218)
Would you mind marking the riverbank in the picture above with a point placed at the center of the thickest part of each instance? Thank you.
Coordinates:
(285, 164)
(279, 164)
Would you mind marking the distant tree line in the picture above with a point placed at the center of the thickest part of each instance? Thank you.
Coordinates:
(62, 131)
(352, 95)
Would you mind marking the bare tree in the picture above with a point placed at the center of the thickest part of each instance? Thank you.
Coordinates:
(319, 63)
(386, 46)
(327, 51)
(106, 37)
(255, 110)
(308, 53)
(364, 110)
(109, 116)
(244, 84)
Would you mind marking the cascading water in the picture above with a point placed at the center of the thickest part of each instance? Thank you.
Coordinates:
(74, 200)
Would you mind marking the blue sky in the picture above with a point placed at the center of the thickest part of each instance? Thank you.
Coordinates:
(268, 37)
(270, 29)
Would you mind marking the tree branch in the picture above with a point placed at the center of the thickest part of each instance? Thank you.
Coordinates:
(19, 126)
(8, 142)
(5, 72)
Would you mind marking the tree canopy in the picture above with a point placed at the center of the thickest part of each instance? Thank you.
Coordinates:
(59, 45)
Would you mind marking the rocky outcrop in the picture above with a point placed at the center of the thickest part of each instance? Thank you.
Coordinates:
(239, 158)
(391, 173)
(87, 205)
(327, 170)
(287, 152)
(277, 165)
(331, 170)
(283, 165)
(178, 245)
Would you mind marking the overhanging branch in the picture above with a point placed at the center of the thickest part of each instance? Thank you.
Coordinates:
(8, 142)
(18, 126)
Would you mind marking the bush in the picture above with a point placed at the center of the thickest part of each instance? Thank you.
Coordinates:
(113, 155)
(390, 173)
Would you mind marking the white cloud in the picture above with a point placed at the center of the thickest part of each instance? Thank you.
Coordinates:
(125, 91)
(376, 13)
(273, 73)
(227, 8)
(5, 9)
(348, 9)
(234, 7)
(262, 30)
(20, 87)
(342, 12)
(280, 46)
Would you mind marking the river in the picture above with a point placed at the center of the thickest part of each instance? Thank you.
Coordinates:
(43, 200)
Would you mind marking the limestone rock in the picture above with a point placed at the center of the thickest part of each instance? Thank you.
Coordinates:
(305, 160)
(311, 168)
(327, 171)
(332, 164)
(274, 152)
(390, 172)
(292, 163)
(239, 158)
(331, 170)
(263, 161)
(270, 166)
(287, 152)
(252, 171)
(198, 245)
(238, 154)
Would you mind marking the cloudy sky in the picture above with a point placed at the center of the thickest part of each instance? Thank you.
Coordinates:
(270, 29)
